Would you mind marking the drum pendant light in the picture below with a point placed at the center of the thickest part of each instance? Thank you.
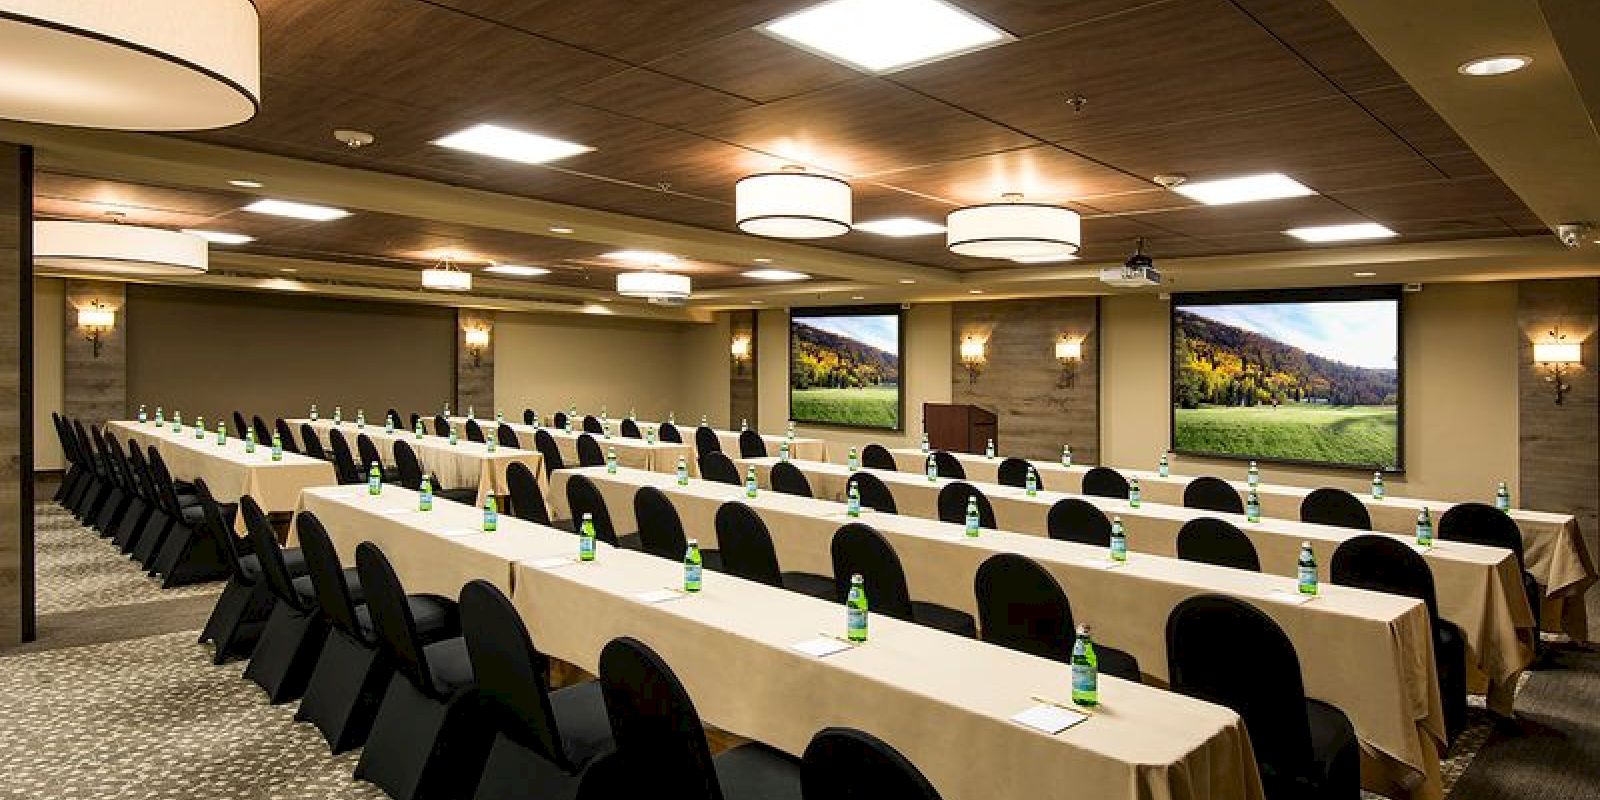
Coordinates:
(109, 248)
(792, 204)
(1014, 229)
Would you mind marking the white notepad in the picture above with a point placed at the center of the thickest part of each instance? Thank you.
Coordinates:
(555, 563)
(1291, 598)
(1105, 564)
(660, 595)
(821, 647)
(459, 532)
(394, 512)
(1049, 719)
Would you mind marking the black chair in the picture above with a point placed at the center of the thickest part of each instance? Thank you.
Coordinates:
(589, 453)
(263, 433)
(506, 436)
(551, 453)
(527, 499)
(661, 742)
(1105, 482)
(369, 456)
(847, 764)
(153, 524)
(1214, 541)
(949, 466)
(715, 466)
(410, 474)
(874, 493)
(1212, 494)
(591, 424)
(876, 456)
(630, 429)
(668, 432)
(661, 530)
(583, 497)
(706, 441)
(394, 414)
(858, 549)
(187, 553)
(953, 504)
(788, 479)
(441, 425)
(310, 444)
(475, 431)
(137, 513)
(292, 640)
(1225, 651)
(747, 552)
(1024, 608)
(344, 461)
(240, 427)
(542, 740)
(241, 611)
(528, 417)
(1077, 520)
(1386, 564)
(425, 736)
(751, 445)
(1482, 524)
(285, 436)
(411, 423)
(1332, 506)
(559, 420)
(341, 697)
(113, 495)
(1014, 472)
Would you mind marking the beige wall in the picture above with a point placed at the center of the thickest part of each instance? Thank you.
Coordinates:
(49, 331)
(1460, 388)
(706, 368)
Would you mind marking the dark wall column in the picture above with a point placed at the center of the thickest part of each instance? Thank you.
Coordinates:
(16, 394)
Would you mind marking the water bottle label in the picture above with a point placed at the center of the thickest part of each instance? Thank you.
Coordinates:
(1084, 680)
(1119, 548)
(374, 486)
(853, 508)
(490, 519)
(1308, 579)
(856, 619)
(691, 574)
(586, 546)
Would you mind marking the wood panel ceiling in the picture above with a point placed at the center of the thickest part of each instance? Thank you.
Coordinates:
(682, 97)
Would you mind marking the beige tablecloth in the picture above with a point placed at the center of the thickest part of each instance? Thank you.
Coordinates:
(228, 470)
(1554, 550)
(800, 447)
(1370, 654)
(463, 465)
(636, 453)
(943, 701)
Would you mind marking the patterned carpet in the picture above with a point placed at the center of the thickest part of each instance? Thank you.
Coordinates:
(78, 570)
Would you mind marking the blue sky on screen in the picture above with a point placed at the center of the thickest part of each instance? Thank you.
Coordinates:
(879, 330)
(1360, 333)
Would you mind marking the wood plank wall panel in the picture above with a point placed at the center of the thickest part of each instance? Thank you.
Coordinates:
(95, 388)
(1560, 444)
(16, 395)
(742, 383)
(1039, 407)
(475, 374)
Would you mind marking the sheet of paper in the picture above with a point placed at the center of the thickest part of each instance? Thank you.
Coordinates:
(660, 595)
(1101, 564)
(555, 563)
(459, 532)
(1049, 719)
(821, 647)
(1290, 598)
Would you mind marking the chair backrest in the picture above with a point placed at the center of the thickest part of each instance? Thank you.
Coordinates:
(474, 431)
(788, 479)
(589, 452)
(81, 442)
(527, 499)
(746, 545)
(394, 414)
(1480, 523)
(327, 578)
(847, 764)
(506, 436)
(511, 673)
(263, 433)
(411, 424)
(527, 416)
(1212, 494)
(858, 549)
(286, 435)
(953, 504)
(716, 466)
(1215, 541)
(368, 450)
(119, 462)
(1226, 651)
(1023, 607)
(706, 441)
(310, 442)
(949, 466)
(344, 462)
(405, 462)
(591, 424)
(217, 527)
(559, 420)
(668, 432)
(1014, 472)
(630, 429)
(239, 425)
(546, 445)
(657, 730)
(660, 529)
(1074, 519)
(1332, 506)
(1105, 482)
(264, 543)
(441, 425)
(876, 456)
(1384, 564)
(874, 492)
(141, 472)
(392, 620)
(584, 497)
(166, 491)
(751, 445)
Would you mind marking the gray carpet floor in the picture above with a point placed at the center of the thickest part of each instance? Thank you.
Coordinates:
(1552, 752)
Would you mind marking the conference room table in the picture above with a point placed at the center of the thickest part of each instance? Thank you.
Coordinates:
(638, 453)
(945, 702)
(463, 465)
(1553, 547)
(1370, 654)
(1479, 588)
(230, 472)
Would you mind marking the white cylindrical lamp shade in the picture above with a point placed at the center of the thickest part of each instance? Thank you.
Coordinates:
(1014, 230)
(661, 285)
(152, 65)
(96, 317)
(792, 205)
(1557, 353)
(449, 280)
(109, 248)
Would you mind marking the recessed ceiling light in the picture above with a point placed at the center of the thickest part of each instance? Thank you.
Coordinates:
(1365, 274)
(907, 280)
(1341, 233)
(286, 208)
(762, 260)
(757, 302)
(974, 291)
(511, 145)
(244, 184)
(900, 227)
(219, 237)
(857, 297)
(1044, 259)
(775, 275)
(1493, 65)
(642, 257)
(560, 229)
(287, 269)
(516, 269)
(886, 35)
(1246, 189)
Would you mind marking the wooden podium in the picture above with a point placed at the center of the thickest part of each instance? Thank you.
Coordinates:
(959, 428)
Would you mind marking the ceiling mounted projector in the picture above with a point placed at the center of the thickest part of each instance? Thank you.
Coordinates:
(1137, 272)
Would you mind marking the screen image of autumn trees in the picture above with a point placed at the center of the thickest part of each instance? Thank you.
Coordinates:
(837, 380)
(1240, 393)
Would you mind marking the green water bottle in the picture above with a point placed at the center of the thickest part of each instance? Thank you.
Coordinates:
(425, 497)
(611, 460)
(177, 420)
(142, 418)
(683, 471)
(988, 449)
(222, 434)
(925, 446)
(250, 441)
(1133, 492)
(586, 538)
(499, 417)
(1308, 569)
(1252, 506)
(604, 415)
(672, 417)
(855, 604)
(447, 409)
(1253, 476)
(199, 427)
(491, 514)
(1424, 528)
(1066, 455)
(605, 430)
(1377, 486)
(632, 417)
(1164, 469)
(492, 443)
(277, 447)
(1119, 540)
(1030, 485)
(852, 500)
(783, 450)
(788, 432)
(388, 424)
(472, 414)
(750, 482)
(338, 416)
(1502, 498)
(361, 419)
(650, 435)
(744, 425)
(972, 515)
(568, 426)
(375, 480)
(538, 421)
(702, 420)
(451, 428)
(419, 431)
(160, 420)
(933, 468)
(692, 567)
(852, 461)
(1085, 670)
(313, 412)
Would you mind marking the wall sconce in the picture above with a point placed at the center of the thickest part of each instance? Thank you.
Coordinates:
(740, 350)
(95, 320)
(477, 339)
(972, 357)
(1069, 352)
(1558, 355)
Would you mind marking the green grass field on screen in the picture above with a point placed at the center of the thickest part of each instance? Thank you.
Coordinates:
(1357, 435)
(873, 406)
